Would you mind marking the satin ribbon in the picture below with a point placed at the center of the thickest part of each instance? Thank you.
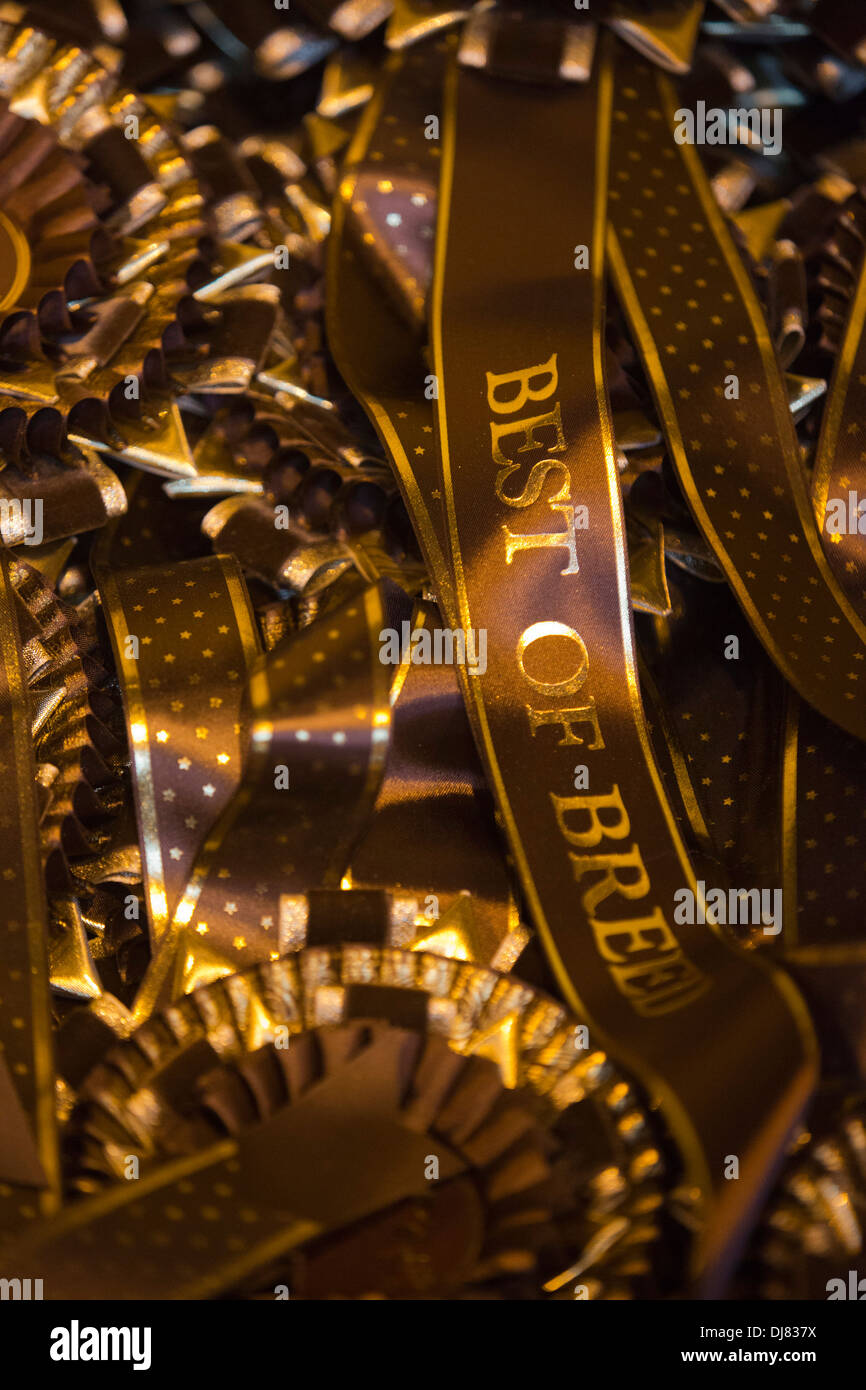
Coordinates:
(699, 327)
(374, 346)
(840, 458)
(432, 831)
(72, 500)
(184, 639)
(716, 731)
(517, 339)
(29, 1164)
(319, 730)
(823, 794)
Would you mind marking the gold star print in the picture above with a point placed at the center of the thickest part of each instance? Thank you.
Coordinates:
(162, 736)
(209, 789)
(201, 732)
(184, 764)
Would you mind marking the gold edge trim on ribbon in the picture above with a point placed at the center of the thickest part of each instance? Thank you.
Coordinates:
(298, 1231)
(626, 621)
(37, 916)
(23, 261)
(80, 1214)
(139, 741)
(678, 762)
(100, 553)
(825, 455)
(240, 601)
(837, 953)
(790, 933)
(380, 732)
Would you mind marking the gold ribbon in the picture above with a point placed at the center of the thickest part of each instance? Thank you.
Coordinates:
(824, 853)
(701, 331)
(525, 438)
(318, 733)
(840, 460)
(374, 344)
(184, 638)
(432, 834)
(29, 1165)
